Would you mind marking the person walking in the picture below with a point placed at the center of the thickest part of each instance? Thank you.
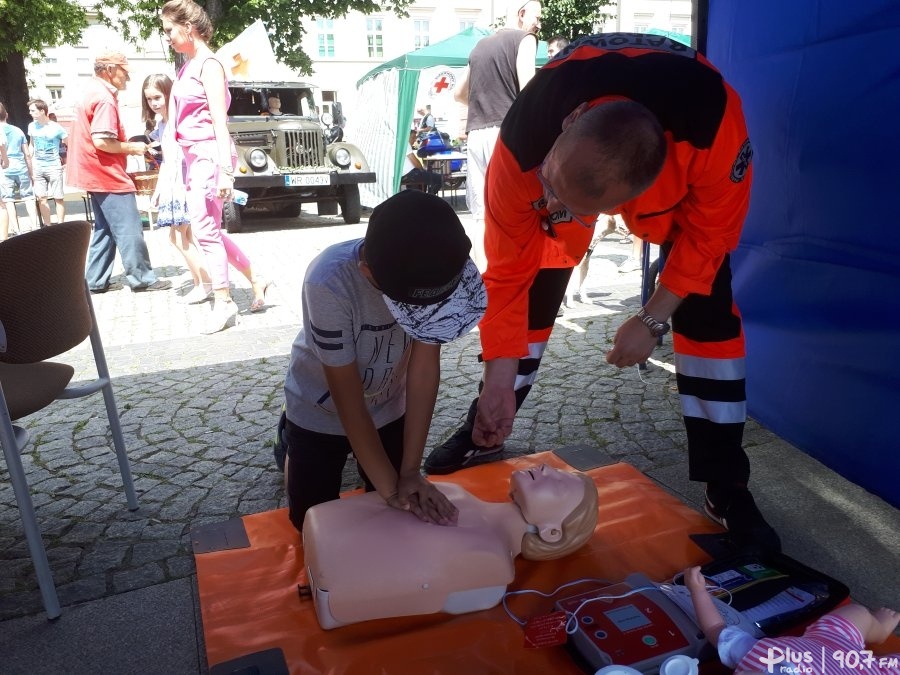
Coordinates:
(15, 174)
(47, 139)
(199, 110)
(599, 130)
(96, 164)
(169, 197)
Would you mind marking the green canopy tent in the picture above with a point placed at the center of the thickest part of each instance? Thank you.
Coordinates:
(386, 99)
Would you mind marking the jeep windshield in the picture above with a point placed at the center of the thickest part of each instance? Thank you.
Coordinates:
(249, 99)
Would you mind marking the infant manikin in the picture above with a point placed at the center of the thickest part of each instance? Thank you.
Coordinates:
(366, 560)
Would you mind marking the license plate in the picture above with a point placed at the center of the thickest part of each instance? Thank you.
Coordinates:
(299, 179)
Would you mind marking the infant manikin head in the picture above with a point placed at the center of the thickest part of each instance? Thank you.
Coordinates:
(561, 506)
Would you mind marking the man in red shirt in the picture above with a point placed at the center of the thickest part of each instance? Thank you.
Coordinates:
(96, 164)
(642, 126)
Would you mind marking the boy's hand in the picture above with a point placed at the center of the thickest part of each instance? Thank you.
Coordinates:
(416, 494)
(694, 580)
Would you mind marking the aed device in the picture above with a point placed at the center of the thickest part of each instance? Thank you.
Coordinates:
(640, 630)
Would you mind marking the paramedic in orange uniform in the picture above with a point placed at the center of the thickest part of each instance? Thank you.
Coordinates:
(646, 127)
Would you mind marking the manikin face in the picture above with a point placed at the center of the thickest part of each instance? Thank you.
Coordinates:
(156, 100)
(546, 496)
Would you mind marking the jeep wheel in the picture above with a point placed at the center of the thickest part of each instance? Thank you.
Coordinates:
(231, 217)
(350, 206)
(289, 209)
(327, 208)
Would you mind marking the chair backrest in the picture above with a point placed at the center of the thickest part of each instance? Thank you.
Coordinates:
(43, 297)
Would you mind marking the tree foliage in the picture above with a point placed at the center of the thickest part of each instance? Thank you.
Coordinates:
(573, 18)
(28, 27)
(230, 17)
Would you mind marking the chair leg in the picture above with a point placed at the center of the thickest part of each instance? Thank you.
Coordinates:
(115, 428)
(26, 513)
(112, 412)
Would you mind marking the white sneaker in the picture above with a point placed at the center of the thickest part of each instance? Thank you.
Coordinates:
(630, 265)
(223, 312)
(196, 295)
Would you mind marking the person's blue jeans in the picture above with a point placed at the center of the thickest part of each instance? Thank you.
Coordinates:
(117, 224)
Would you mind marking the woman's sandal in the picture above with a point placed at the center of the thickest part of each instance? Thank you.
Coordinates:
(259, 301)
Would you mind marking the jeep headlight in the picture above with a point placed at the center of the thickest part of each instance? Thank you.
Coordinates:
(341, 157)
(257, 159)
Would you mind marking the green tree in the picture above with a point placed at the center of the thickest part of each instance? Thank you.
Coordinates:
(573, 18)
(26, 28)
(230, 17)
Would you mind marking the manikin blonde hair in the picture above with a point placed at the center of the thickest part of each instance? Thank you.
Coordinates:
(577, 528)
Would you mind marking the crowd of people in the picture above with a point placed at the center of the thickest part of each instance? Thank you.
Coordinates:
(609, 145)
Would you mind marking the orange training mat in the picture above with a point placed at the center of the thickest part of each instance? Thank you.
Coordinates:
(249, 600)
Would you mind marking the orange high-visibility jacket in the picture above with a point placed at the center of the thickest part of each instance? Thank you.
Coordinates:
(698, 202)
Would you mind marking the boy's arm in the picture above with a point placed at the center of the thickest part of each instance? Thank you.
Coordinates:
(708, 617)
(26, 150)
(347, 393)
(423, 377)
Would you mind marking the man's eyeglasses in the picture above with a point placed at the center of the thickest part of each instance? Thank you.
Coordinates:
(549, 192)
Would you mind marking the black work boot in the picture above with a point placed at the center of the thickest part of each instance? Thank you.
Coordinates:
(733, 507)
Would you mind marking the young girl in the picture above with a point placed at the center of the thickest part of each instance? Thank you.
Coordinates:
(169, 196)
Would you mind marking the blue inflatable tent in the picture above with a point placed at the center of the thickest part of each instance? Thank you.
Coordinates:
(817, 274)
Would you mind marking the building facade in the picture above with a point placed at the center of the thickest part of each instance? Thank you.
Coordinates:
(343, 50)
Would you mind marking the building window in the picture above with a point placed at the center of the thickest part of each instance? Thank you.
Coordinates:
(421, 30)
(681, 24)
(466, 24)
(328, 99)
(642, 22)
(374, 38)
(50, 59)
(326, 37)
(56, 93)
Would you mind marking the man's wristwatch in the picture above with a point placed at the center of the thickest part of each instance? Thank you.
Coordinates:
(656, 328)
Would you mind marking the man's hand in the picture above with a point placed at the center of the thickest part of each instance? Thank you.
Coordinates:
(4, 163)
(415, 493)
(494, 416)
(633, 344)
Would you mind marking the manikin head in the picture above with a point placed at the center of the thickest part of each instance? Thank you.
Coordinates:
(560, 506)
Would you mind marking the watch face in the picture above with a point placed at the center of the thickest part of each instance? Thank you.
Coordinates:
(659, 330)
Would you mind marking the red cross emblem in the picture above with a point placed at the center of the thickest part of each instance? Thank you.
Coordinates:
(444, 80)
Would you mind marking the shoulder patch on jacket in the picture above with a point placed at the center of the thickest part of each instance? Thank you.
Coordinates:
(742, 163)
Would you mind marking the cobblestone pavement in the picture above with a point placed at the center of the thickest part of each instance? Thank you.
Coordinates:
(199, 414)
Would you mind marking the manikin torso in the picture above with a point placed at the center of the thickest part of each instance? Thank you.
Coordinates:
(366, 560)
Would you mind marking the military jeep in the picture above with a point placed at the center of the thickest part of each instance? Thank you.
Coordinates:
(286, 160)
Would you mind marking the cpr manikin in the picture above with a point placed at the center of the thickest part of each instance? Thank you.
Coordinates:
(366, 560)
